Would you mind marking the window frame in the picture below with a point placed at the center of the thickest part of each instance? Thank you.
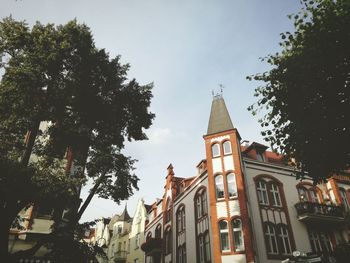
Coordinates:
(227, 142)
(234, 182)
(217, 154)
(240, 231)
(224, 232)
(222, 183)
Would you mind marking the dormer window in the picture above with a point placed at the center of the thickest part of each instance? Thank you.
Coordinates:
(227, 147)
(260, 156)
(215, 150)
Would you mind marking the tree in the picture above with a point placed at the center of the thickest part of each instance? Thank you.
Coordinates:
(61, 95)
(305, 95)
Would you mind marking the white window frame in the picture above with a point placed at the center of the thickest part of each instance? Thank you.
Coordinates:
(276, 196)
(224, 232)
(215, 152)
(220, 183)
(262, 192)
(270, 233)
(231, 181)
(284, 237)
(229, 150)
(239, 232)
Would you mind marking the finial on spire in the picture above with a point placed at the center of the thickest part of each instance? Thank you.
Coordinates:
(219, 94)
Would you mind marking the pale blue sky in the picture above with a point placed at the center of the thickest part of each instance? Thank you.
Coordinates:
(186, 47)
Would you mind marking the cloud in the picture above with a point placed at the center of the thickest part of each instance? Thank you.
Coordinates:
(159, 135)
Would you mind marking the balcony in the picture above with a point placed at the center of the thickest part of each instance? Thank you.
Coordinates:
(319, 213)
(152, 246)
(120, 256)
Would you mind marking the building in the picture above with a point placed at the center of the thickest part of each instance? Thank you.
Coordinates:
(244, 204)
(121, 236)
(137, 234)
(37, 219)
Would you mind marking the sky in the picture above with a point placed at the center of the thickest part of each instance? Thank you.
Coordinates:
(187, 48)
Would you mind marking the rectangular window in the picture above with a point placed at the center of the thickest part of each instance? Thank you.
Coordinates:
(262, 193)
(137, 241)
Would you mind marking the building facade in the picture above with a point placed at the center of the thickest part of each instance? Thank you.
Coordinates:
(243, 205)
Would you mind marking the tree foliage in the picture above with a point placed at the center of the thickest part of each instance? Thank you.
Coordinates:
(305, 96)
(65, 96)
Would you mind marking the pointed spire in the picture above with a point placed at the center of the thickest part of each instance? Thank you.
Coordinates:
(125, 215)
(219, 120)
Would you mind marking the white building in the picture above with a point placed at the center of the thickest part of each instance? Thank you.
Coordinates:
(243, 205)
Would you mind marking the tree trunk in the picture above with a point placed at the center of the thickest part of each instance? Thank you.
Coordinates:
(4, 238)
(30, 139)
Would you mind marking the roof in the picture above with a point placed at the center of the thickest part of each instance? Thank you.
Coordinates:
(125, 215)
(219, 119)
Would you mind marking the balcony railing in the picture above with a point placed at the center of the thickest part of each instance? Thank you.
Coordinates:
(152, 246)
(315, 212)
(120, 256)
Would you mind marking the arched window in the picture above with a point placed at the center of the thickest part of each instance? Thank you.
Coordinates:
(158, 232)
(201, 203)
(204, 202)
(284, 240)
(314, 196)
(199, 206)
(149, 236)
(271, 240)
(303, 196)
(215, 150)
(275, 193)
(262, 192)
(224, 241)
(180, 219)
(168, 241)
(344, 198)
(231, 185)
(168, 212)
(237, 234)
(227, 147)
(220, 189)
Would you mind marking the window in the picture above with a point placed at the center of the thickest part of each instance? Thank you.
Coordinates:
(344, 198)
(303, 194)
(136, 260)
(199, 206)
(180, 218)
(237, 234)
(158, 232)
(224, 241)
(320, 242)
(227, 147)
(284, 240)
(271, 241)
(168, 241)
(201, 249)
(262, 193)
(215, 150)
(128, 245)
(231, 185)
(202, 237)
(220, 190)
(137, 240)
(276, 198)
(167, 212)
(314, 197)
(181, 254)
(207, 247)
(149, 236)
(44, 210)
(260, 156)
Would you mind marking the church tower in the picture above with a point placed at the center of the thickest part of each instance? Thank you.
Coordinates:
(230, 222)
